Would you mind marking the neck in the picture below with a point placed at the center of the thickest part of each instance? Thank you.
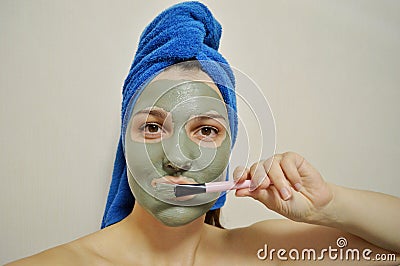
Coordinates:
(166, 241)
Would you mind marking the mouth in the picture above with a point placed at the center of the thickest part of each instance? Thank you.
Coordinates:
(175, 180)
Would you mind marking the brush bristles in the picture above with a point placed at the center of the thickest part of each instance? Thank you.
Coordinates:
(189, 189)
(166, 190)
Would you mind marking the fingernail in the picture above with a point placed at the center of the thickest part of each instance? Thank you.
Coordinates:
(255, 182)
(285, 193)
(253, 185)
(297, 186)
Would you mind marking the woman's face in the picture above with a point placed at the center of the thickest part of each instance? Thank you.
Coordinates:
(178, 133)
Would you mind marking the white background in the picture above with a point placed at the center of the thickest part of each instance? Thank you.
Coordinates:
(330, 70)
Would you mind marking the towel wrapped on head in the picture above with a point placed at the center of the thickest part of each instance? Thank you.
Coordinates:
(186, 31)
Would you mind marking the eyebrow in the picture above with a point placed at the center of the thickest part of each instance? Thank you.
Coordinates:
(154, 112)
(162, 114)
(214, 116)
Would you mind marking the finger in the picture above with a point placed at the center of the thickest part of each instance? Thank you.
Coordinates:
(257, 174)
(289, 164)
(265, 184)
(247, 191)
(240, 174)
(267, 163)
(277, 177)
(269, 197)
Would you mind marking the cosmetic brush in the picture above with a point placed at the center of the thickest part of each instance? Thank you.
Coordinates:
(169, 190)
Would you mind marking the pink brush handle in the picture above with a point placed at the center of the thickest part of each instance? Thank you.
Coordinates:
(226, 185)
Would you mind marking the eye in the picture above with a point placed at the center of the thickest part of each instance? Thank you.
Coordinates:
(206, 133)
(151, 130)
(151, 125)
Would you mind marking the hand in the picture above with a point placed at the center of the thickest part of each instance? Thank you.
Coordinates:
(291, 186)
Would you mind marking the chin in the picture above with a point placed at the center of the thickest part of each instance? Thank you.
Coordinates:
(181, 215)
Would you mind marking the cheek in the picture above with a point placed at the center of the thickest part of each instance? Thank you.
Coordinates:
(144, 160)
(219, 162)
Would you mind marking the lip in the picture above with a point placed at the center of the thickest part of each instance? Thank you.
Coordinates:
(173, 180)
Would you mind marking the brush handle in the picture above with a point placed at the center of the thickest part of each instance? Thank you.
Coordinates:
(226, 185)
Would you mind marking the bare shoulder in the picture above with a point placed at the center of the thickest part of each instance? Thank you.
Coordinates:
(77, 252)
(266, 239)
(287, 233)
(60, 255)
(252, 238)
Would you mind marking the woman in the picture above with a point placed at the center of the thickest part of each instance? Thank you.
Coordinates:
(187, 108)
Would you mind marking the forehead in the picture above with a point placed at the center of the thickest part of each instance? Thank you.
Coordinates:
(175, 73)
(176, 94)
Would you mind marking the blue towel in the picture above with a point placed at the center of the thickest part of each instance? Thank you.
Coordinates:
(183, 32)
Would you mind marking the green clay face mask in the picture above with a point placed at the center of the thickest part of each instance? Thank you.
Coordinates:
(178, 132)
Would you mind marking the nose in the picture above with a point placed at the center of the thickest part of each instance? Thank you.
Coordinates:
(176, 159)
(171, 167)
